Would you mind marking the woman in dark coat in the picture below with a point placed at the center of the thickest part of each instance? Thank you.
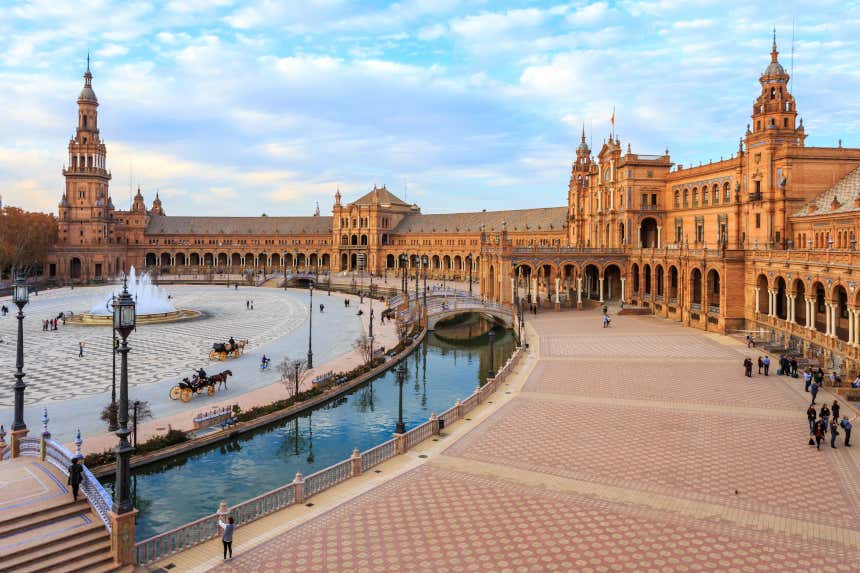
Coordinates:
(76, 476)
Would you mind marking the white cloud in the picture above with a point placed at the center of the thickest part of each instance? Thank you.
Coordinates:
(430, 33)
(589, 14)
(111, 51)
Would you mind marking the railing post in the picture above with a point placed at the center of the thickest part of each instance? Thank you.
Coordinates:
(434, 425)
(459, 406)
(355, 468)
(223, 511)
(46, 435)
(400, 443)
(299, 487)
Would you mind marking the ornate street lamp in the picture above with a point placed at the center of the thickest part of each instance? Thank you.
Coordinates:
(401, 378)
(20, 296)
(424, 262)
(469, 259)
(124, 320)
(310, 325)
(297, 364)
(403, 264)
(491, 373)
(112, 427)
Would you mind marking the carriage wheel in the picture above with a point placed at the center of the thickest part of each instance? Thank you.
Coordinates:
(175, 393)
(187, 393)
(223, 356)
(213, 355)
(211, 390)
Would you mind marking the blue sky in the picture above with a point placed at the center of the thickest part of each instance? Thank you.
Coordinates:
(232, 107)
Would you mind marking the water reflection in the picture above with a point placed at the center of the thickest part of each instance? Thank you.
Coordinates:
(441, 371)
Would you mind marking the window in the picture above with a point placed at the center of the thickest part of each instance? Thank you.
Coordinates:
(727, 194)
(686, 197)
(785, 122)
(654, 199)
(758, 220)
(704, 196)
(644, 199)
(758, 188)
(700, 233)
(695, 197)
(677, 199)
(716, 194)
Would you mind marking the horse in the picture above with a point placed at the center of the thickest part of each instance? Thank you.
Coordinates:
(220, 379)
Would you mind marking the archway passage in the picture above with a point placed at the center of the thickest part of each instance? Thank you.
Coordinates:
(840, 301)
(761, 287)
(150, 260)
(673, 284)
(781, 299)
(819, 307)
(75, 268)
(634, 270)
(659, 280)
(592, 282)
(647, 279)
(799, 302)
(612, 283)
(713, 290)
(648, 233)
(696, 286)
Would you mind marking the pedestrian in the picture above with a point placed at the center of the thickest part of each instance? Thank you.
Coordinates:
(766, 363)
(227, 536)
(819, 376)
(818, 431)
(834, 431)
(824, 414)
(322, 308)
(605, 321)
(783, 366)
(793, 364)
(76, 476)
(247, 305)
(749, 341)
(811, 415)
(846, 425)
(834, 410)
(252, 304)
(814, 390)
(748, 367)
(807, 379)
(856, 383)
(760, 364)
(80, 349)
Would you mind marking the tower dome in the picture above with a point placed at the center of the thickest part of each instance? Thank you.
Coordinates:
(87, 93)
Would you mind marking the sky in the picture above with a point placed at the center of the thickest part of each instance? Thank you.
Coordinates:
(231, 107)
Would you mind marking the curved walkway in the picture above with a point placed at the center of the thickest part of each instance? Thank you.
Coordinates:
(641, 447)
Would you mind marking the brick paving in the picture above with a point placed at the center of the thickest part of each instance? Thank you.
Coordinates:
(635, 448)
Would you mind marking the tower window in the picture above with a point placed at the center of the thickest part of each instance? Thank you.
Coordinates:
(758, 126)
(85, 120)
(758, 220)
(785, 122)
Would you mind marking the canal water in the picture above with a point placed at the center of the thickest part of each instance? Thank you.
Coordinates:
(446, 367)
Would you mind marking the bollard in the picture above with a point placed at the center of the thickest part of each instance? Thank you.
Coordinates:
(355, 467)
(400, 443)
(78, 442)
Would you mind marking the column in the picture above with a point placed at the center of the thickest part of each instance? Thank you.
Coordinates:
(639, 235)
(810, 316)
(756, 299)
(850, 326)
(770, 305)
(790, 310)
(513, 291)
(622, 290)
(659, 228)
(833, 319)
(557, 297)
(600, 287)
(578, 292)
(827, 319)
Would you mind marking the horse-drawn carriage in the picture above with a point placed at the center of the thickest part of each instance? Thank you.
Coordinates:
(186, 389)
(223, 350)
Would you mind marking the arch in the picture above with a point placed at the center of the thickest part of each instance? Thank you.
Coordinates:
(353, 240)
(435, 262)
(236, 260)
(344, 262)
(325, 260)
(75, 268)
(150, 260)
(313, 260)
(696, 286)
(673, 283)
(389, 261)
(799, 288)
(659, 280)
(761, 287)
(301, 260)
(647, 273)
(458, 263)
(222, 259)
(840, 300)
(195, 259)
(364, 240)
(165, 260)
(344, 240)
(611, 282)
(181, 260)
(713, 288)
(591, 275)
(208, 259)
(819, 306)
(781, 299)
(250, 259)
(275, 259)
(491, 285)
(634, 270)
(446, 263)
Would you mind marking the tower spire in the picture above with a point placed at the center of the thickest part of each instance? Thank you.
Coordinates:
(774, 52)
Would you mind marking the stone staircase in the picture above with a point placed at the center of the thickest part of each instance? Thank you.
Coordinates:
(58, 535)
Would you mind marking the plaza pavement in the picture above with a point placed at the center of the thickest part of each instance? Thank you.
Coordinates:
(641, 447)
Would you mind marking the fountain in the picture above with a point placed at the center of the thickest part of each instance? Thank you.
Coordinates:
(153, 305)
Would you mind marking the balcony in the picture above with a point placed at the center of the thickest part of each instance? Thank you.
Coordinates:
(755, 196)
(713, 309)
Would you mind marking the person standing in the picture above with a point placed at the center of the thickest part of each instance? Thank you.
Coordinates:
(81, 349)
(793, 363)
(748, 367)
(811, 415)
(819, 376)
(824, 414)
(605, 321)
(807, 379)
(749, 341)
(814, 390)
(834, 410)
(766, 362)
(227, 536)
(834, 431)
(818, 431)
(76, 476)
(846, 425)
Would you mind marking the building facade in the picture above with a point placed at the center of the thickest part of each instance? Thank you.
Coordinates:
(762, 240)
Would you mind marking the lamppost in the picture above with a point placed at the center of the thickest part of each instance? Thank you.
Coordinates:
(469, 259)
(491, 373)
(401, 378)
(20, 296)
(296, 365)
(134, 422)
(403, 265)
(425, 261)
(310, 325)
(124, 319)
(112, 427)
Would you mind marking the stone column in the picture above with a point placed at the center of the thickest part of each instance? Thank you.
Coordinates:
(659, 228)
(513, 290)
(600, 287)
(770, 305)
(810, 314)
(122, 536)
(756, 300)
(850, 326)
(834, 320)
(827, 331)
(557, 297)
(622, 290)
(355, 463)
(579, 293)
(639, 235)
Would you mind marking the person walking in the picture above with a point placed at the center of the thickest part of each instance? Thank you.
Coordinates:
(818, 431)
(247, 305)
(811, 415)
(227, 535)
(81, 349)
(824, 414)
(748, 367)
(834, 431)
(76, 476)
(834, 410)
(766, 362)
(605, 321)
(807, 379)
(846, 425)
(793, 364)
(819, 376)
(750, 342)
(814, 390)
(760, 364)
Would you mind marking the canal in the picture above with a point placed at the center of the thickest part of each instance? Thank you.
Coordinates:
(445, 367)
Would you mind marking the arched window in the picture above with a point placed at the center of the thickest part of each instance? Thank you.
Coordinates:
(727, 193)
(715, 194)
(705, 194)
(686, 197)
(677, 198)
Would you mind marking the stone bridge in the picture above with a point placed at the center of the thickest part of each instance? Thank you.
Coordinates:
(444, 306)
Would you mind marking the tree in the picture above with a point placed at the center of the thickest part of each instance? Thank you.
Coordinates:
(25, 238)
(111, 411)
(363, 346)
(291, 374)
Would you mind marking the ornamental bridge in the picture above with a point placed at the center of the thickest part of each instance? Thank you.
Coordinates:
(440, 305)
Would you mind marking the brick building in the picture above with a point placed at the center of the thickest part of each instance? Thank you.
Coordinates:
(765, 239)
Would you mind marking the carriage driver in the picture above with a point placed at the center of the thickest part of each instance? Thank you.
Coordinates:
(201, 375)
(232, 343)
(264, 363)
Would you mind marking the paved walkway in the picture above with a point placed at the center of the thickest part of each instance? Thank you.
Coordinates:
(641, 447)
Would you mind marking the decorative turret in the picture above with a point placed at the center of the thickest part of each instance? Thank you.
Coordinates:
(156, 206)
(138, 206)
(774, 111)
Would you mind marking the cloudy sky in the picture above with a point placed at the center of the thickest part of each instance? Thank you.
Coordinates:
(244, 107)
